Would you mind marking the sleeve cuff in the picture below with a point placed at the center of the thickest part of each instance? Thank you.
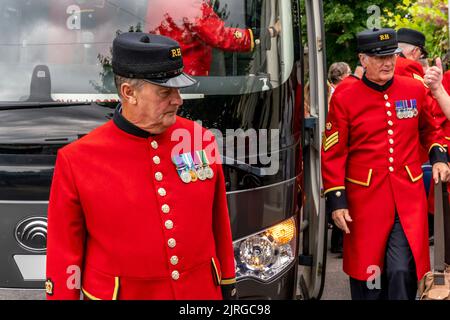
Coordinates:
(229, 291)
(438, 154)
(336, 199)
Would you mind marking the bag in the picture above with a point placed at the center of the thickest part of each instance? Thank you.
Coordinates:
(435, 285)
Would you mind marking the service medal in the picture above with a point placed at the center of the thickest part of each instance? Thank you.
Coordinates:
(182, 170)
(187, 158)
(209, 172)
(185, 176)
(199, 166)
(400, 109)
(193, 175)
(201, 174)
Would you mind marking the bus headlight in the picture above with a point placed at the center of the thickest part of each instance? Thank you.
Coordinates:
(266, 254)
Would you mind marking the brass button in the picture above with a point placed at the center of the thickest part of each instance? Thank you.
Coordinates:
(165, 208)
(391, 141)
(391, 160)
(156, 160)
(162, 192)
(391, 169)
(171, 243)
(175, 275)
(389, 113)
(391, 150)
(390, 132)
(168, 224)
(158, 176)
(174, 260)
(338, 194)
(386, 97)
(154, 144)
(390, 123)
(388, 104)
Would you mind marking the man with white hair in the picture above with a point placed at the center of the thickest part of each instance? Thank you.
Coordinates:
(412, 43)
(371, 170)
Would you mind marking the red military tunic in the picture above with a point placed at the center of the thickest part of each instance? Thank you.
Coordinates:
(120, 212)
(444, 123)
(198, 29)
(347, 82)
(413, 69)
(409, 68)
(371, 165)
(440, 116)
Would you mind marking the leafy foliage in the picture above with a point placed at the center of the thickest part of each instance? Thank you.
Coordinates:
(344, 19)
(427, 16)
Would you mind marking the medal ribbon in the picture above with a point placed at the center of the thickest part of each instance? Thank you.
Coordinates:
(187, 157)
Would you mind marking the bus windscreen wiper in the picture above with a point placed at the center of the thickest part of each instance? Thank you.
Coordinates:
(37, 104)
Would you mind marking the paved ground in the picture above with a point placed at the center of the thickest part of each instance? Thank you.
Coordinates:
(337, 285)
(22, 294)
(336, 281)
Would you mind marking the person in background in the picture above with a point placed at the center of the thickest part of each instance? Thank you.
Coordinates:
(337, 72)
(412, 43)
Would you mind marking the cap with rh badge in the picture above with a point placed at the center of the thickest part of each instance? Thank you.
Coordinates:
(378, 42)
(153, 58)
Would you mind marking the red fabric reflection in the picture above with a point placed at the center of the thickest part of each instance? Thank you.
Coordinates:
(195, 25)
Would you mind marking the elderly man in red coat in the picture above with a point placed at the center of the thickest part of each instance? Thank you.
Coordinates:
(412, 43)
(372, 172)
(131, 215)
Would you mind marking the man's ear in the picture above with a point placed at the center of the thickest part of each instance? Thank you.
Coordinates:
(128, 93)
(362, 60)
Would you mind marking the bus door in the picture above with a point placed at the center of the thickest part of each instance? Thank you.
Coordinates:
(313, 240)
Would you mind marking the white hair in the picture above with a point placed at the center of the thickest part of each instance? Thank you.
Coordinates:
(406, 47)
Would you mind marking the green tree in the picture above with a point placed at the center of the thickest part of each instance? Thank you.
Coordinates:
(427, 16)
(344, 19)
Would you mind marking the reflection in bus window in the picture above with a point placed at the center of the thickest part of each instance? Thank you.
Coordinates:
(198, 29)
(73, 38)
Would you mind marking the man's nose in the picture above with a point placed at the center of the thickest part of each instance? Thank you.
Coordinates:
(176, 97)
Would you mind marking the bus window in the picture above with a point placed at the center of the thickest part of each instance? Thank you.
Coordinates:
(73, 39)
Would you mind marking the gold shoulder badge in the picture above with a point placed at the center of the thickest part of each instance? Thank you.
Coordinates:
(49, 287)
(417, 77)
(329, 126)
(238, 34)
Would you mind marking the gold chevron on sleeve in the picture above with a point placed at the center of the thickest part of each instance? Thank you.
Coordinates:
(330, 143)
(336, 134)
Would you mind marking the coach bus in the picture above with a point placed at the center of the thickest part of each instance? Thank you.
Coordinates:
(57, 85)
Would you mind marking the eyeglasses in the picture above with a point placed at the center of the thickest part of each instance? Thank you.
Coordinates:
(422, 53)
